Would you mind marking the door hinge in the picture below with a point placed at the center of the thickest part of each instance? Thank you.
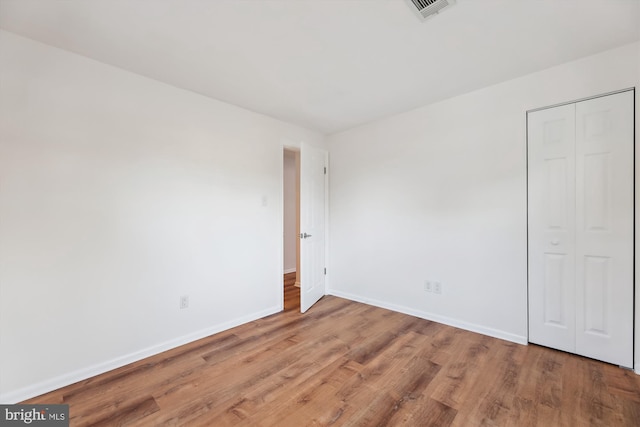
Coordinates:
(325, 170)
(325, 271)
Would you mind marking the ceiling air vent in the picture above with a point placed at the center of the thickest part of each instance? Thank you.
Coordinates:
(428, 8)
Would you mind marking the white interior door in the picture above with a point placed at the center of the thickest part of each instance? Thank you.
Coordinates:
(581, 228)
(313, 164)
(604, 228)
(552, 227)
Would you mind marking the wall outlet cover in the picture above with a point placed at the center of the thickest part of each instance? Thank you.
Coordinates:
(184, 301)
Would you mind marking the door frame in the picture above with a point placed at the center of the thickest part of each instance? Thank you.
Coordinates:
(636, 314)
(291, 145)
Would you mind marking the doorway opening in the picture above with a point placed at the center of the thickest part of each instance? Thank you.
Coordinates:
(291, 228)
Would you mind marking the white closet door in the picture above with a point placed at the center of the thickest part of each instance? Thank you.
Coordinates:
(551, 145)
(581, 228)
(604, 228)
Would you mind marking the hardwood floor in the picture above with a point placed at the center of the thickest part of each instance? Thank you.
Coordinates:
(291, 293)
(348, 364)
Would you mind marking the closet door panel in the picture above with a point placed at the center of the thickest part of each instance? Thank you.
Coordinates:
(604, 228)
(551, 192)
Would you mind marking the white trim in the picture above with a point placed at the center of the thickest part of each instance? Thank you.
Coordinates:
(290, 270)
(100, 368)
(327, 239)
(581, 99)
(496, 333)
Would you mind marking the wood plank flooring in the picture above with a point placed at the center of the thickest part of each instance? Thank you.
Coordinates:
(348, 364)
(291, 293)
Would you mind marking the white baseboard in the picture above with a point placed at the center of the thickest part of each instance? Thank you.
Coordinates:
(100, 368)
(290, 270)
(496, 333)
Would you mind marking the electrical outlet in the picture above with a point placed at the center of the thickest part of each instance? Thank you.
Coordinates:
(428, 286)
(184, 301)
(437, 287)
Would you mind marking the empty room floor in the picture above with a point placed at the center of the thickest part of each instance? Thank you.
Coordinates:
(349, 364)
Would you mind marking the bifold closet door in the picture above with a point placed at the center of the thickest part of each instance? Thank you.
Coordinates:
(581, 228)
(604, 228)
(552, 187)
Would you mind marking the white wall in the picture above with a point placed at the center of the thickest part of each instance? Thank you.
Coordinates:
(290, 211)
(119, 194)
(440, 193)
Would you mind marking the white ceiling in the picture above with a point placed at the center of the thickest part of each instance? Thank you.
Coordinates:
(327, 65)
